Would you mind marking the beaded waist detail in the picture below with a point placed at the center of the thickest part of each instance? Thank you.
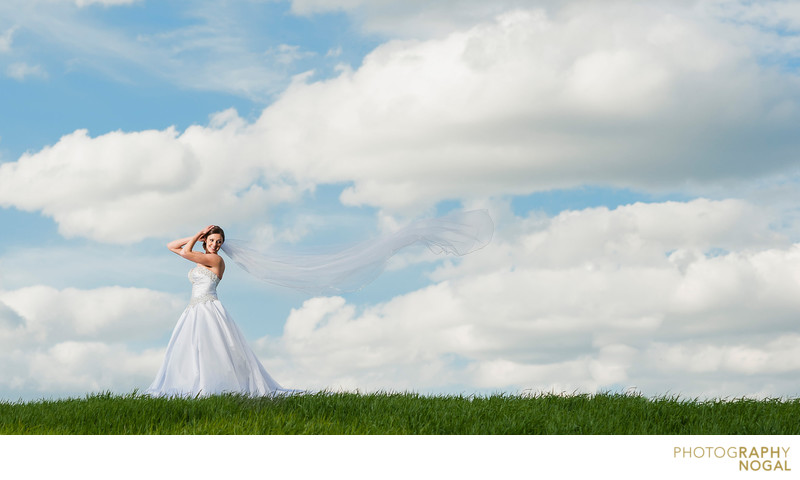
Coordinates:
(206, 297)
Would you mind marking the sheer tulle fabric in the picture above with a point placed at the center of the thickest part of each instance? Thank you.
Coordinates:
(349, 269)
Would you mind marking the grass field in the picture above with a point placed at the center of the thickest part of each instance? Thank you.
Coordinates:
(402, 413)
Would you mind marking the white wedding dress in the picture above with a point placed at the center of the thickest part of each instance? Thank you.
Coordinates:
(207, 353)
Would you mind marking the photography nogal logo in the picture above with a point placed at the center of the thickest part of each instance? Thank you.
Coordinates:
(749, 459)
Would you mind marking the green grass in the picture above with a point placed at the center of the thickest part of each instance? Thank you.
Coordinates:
(402, 413)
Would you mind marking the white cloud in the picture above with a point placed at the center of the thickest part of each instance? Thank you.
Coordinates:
(776, 356)
(22, 71)
(532, 102)
(213, 49)
(287, 54)
(85, 3)
(76, 368)
(5, 40)
(108, 313)
(105, 3)
(694, 298)
(417, 18)
(424, 19)
(529, 102)
(73, 341)
(587, 300)
(123, 187)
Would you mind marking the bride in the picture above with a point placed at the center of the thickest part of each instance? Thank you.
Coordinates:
(208, 354)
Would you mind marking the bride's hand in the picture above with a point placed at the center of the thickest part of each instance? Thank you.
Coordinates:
(205, 231)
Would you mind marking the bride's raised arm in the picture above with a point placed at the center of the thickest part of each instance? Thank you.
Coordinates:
(184, 246)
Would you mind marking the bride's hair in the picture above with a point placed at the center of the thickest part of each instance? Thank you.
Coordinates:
(212, 232)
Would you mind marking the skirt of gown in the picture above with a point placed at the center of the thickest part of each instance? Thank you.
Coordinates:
(209, 355)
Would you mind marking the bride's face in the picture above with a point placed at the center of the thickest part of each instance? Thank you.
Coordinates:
(213, 243)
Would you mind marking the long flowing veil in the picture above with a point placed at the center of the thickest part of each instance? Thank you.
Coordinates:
(350, 268)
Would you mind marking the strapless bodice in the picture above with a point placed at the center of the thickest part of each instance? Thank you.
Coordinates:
(204, 285)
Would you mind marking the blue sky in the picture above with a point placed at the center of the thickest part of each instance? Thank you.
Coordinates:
(640, 163)
(102, 89)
